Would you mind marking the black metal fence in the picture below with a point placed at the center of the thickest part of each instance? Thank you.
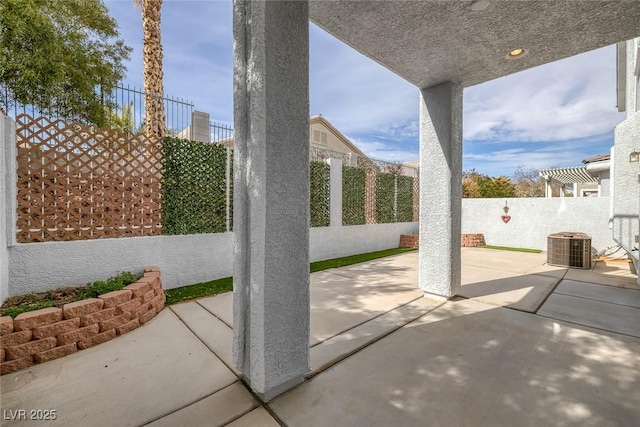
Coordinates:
(222, 134)
(124, 108)
(129, 104)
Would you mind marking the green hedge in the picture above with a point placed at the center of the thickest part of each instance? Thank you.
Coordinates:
(319, 194)
(194, 188)
(385, 194)
(405, 199)
(353, 186)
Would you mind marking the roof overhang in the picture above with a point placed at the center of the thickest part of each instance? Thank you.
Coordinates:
(430, 42)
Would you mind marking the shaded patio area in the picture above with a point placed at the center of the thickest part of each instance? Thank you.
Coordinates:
(523, 344)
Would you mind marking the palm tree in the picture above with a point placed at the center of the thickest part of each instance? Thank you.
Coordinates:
(152, 61)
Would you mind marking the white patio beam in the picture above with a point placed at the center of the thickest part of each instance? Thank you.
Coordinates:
(440, 189)
(271, 194)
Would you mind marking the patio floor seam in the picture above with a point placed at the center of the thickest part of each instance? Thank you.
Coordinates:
(601, 284)
(609, 331)
(212, 313)
(313, 374)
(365, 321)
(597, 300)
(196, 401)
(205, 344)
(553, 289)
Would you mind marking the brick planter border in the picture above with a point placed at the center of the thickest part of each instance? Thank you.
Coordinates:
(467, 240)
(473, 240)
(409, 241)
(42, 335)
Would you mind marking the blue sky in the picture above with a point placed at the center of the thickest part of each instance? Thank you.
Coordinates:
(553, 115)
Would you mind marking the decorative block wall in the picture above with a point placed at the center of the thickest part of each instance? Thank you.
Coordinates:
(468, 240)
(409, 241)
(473, 240)
(47, 334)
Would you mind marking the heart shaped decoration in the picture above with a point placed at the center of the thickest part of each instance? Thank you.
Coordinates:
(506, 218)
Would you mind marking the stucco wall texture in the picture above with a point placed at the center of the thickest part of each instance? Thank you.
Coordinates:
(626, 174)
(194, 258)
(440, 188)
(533, 219)
(184, 260)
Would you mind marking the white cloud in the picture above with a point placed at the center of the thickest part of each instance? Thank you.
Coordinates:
(355, 93)
(384, 151)
(539, 156)
(568, 99)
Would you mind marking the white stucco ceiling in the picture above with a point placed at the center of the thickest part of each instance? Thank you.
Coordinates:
(430, 42)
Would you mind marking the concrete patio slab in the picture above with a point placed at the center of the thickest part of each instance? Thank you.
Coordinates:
(402, 267)
(337, 348)
(259, 417)
(500, 260)
(218, 409)
(339, 303)
(610, 294)
(220, 306)
(383, 355)
(549, 270)
(212, 331)
(612, 273)
(129, 381)
(602, 315)
(469, 363)
(525, 293)
(476, 274)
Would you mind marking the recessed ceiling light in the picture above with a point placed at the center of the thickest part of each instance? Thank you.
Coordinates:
(479, 5)
(516, 53)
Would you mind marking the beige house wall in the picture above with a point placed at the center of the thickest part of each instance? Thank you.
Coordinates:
(321, 136)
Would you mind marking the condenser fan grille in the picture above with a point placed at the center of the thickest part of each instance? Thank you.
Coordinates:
(569, 249)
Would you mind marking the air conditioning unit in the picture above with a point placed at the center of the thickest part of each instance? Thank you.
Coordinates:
(569, 249)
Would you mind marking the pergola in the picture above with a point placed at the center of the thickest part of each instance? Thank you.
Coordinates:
(571, 175)
(440, 47)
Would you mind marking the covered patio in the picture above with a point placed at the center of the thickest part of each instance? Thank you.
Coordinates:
(529, 344)
(441, 48)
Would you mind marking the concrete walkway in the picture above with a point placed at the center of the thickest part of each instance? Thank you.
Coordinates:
(381, 355)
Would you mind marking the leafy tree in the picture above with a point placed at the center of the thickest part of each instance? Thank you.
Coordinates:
(55, 54)
(529, 183)
(476, 185)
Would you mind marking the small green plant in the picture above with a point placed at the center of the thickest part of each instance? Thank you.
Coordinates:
(100, 287)
(59, 297)
(19, 309)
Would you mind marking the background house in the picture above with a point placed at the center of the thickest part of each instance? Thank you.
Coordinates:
(592, 179)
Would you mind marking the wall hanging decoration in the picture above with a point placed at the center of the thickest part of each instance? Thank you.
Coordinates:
(506, 217)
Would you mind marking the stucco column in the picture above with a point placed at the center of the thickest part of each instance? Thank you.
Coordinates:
(271, 194)
(440, 189)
